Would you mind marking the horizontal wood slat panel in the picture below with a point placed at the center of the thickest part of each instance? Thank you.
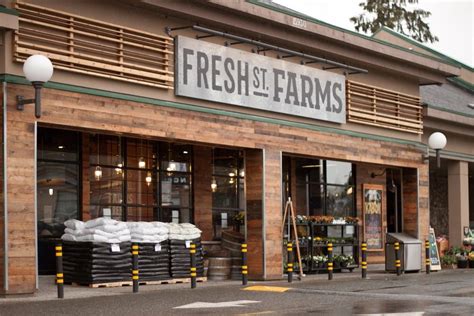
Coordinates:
(87, 46)
(383, 108)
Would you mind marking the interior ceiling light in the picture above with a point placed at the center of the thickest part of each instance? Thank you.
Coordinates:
(148, 178)
(98, 169)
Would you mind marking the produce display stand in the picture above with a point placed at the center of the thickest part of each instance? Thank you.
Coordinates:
(314, 237)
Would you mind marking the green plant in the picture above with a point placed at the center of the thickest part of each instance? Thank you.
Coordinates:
(454, 250)
(239, 218)
(448, 259)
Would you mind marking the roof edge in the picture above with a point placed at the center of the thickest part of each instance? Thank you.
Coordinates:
(422, 46)
(338, 28)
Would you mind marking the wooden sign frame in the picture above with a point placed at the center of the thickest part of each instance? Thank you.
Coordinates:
(435, 264)
(380, 188)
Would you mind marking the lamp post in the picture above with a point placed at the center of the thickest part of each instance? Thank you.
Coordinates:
(38, 69)
(437, 141)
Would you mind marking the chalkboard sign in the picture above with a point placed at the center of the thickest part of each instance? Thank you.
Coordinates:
(372, 216)
(434, 254)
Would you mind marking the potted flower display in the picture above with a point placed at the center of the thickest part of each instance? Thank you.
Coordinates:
(320, 261)
(461, 259)
(471, 260)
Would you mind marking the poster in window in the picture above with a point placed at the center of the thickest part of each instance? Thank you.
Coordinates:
(372, 216)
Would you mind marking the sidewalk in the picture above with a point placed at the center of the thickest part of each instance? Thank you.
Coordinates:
(48, 290)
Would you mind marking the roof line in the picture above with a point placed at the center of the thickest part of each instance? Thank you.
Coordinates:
(420, 45)
(461, 83)
(338, 28)
(435, 107)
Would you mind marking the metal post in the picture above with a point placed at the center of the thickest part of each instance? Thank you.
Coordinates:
(192, 251)
(135, 267)
(428, 259)
(397, 257)
(289, 270)
(59, 270)
(364, 260)
(330, 264)
(244, 264)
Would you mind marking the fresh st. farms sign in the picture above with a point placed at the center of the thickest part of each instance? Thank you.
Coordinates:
(218, 73)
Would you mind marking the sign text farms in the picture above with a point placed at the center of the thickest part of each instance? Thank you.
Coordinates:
(221, 74)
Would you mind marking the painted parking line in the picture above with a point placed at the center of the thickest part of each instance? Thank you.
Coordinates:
(240, 303)
(264, 288)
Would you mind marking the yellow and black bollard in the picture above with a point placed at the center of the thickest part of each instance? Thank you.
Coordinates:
(135, 267)
(59, 270)
(397, 258)
(428, 259)
(330, 264)
(364, 260)
(192, 252)
(289, 270)
(244, 264)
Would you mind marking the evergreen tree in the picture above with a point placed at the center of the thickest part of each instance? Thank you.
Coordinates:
(394, 15)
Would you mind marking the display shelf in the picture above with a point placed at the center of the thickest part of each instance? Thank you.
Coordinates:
(312, 249)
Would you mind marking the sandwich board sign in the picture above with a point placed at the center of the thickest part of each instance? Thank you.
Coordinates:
(434, 254)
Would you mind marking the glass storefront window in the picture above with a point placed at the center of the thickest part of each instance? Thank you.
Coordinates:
(338, 172)
(58, 187)
(57, 196)
(339, 202)
(322, 187)
(228, 198)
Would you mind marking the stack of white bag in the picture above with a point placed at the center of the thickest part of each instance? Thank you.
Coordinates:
(185, 231)
(97, 230)
(148, 232)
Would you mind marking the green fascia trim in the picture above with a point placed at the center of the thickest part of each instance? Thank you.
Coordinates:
(369, 38)
(420, 45)
(9, 11)
(462, 83)
(453, 154)
(431, 106)
(189, 107)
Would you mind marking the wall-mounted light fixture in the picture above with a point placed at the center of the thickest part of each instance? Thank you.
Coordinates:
(38, 69)
(436, 141)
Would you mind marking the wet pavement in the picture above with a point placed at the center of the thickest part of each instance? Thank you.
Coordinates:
(442, 293)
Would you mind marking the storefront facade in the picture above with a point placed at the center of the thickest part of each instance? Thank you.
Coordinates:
(448, 108)
(117, 102)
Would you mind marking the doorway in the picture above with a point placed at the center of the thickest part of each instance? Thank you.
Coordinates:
(394, 201)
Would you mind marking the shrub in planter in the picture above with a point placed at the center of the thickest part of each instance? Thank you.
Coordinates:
(448, 261)
(462, 260)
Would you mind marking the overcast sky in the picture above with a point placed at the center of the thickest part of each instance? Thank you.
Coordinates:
(450, 20)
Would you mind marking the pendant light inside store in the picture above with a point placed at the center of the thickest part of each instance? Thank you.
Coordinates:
(141, 161)
(118, 169)
(98, 169)
(148, 178)
(214, 182)
(171, 163)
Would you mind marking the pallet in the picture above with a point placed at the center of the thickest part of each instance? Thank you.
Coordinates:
(130, 283)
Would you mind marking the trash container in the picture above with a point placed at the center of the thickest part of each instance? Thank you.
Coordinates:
(410, 252)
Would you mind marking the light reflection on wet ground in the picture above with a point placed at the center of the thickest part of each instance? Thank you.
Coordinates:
(395, 307)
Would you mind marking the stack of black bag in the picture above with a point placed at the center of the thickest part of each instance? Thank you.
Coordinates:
(94, 262)
(181, 259)
(154, 261)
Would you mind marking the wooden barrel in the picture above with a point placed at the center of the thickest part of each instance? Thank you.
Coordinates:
(219, 268)
(236, 269)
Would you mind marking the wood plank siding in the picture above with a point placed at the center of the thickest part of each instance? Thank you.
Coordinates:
(87, 46)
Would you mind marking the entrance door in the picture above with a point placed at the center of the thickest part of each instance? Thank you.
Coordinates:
(394, 201)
